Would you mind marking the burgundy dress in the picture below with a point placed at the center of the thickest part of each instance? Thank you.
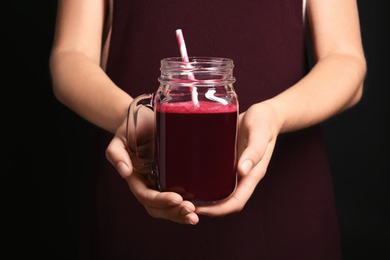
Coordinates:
(291, 214)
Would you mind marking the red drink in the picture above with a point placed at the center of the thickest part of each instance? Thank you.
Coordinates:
(196, 149)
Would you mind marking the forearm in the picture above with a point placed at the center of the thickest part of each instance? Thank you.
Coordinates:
(334, 84)
(80, 84)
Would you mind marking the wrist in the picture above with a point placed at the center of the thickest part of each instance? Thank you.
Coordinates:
(276, 113)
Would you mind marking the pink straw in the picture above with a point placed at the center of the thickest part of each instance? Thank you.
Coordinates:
(182, 45)
(184, 56)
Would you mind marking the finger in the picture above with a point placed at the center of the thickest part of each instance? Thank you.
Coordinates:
(140, 186)
(183, 213)
(254, 149)
(166, 205)
(118, 156)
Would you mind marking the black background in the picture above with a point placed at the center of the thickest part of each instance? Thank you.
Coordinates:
(42, 181)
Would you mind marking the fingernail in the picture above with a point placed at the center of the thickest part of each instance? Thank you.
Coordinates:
(246, 166)
(188, 221)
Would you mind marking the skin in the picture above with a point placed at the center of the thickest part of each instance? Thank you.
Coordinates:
(333, 85)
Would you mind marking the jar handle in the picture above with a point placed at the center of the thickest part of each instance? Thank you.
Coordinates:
(140, 135)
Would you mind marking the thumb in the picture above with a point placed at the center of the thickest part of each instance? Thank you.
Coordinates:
(118, 156)
(252, 153)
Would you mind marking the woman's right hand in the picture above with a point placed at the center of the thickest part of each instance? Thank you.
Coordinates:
(166, 205)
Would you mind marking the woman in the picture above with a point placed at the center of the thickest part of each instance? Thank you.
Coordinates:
(283, 208)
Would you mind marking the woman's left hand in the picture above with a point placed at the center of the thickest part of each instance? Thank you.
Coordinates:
(258, 131)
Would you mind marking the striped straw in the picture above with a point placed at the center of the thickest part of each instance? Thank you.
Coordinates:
(182, 45)
(184, 56)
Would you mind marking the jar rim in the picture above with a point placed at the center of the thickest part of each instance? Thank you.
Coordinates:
(198, 59)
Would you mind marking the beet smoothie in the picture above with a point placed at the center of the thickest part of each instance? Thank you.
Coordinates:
(196, 149)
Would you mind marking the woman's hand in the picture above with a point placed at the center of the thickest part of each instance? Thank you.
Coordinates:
(166, 205)
(258, 131)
